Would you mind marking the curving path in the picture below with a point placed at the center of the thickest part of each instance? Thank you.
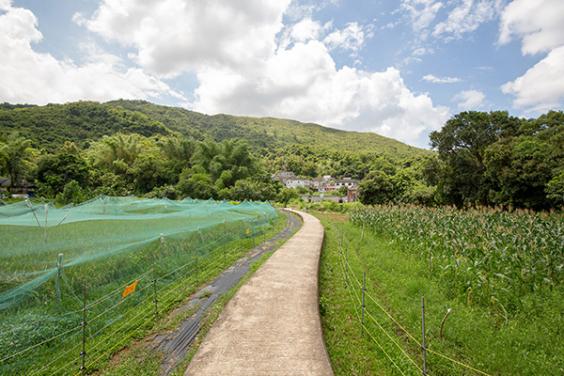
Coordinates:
(271, 326)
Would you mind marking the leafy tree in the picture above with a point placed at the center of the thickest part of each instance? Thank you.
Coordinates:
(519, 169)
(375, 189)
(56, 171)
(461, 144)
(555, 191)
(285, 195)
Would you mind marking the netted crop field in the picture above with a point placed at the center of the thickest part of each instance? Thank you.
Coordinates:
(487, 257)
(65, 273)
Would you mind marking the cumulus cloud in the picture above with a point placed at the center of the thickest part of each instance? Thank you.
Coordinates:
(540, 24)
(27, 76)
(440, 80)
(421, 12)
(467, 17)
(350, 38)
(470, 99)
(541, 88)
(172, 36)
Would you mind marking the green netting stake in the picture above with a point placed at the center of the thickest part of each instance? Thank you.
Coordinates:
(83, 324)
(224, 245)
(58, 283)
(45, 227)
(154, 281)
(196, 262)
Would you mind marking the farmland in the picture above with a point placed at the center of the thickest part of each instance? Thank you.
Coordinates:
(60, 270)
(499, 273)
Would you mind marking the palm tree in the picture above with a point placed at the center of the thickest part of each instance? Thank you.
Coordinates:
(16, 156)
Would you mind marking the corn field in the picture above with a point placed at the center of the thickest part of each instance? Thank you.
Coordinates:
(485, 256)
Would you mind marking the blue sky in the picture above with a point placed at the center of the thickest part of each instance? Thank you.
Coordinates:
(398, 68)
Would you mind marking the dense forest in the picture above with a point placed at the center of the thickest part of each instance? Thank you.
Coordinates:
(75, 151)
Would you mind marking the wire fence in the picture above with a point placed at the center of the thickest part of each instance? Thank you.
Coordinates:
(405, 358)
(92, 327)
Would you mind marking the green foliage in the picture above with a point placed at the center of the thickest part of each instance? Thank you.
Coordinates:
(492, 158)
(55, 171)
(376, 189)
(16, 157)
(461, 144)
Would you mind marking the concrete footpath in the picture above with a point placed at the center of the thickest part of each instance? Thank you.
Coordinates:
(271, 326)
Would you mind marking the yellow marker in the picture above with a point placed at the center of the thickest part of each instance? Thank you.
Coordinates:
(129, 289)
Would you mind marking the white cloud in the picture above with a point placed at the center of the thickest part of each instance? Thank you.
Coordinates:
(172, 36)
(540, 24)
(305, 30)
(350, 38)
(470, 100)
(30, 77)
(421, 12)
(467, 17)
(541, 88)
(440, 80)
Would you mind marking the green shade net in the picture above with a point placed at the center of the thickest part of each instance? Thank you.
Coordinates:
(49, 255)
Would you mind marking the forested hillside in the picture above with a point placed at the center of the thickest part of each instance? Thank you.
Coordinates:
(135, 147)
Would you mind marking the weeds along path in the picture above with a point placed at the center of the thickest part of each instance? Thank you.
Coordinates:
(176, 344)
(272, 325)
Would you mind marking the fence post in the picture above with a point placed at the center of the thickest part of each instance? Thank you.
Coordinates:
(346, 266)
(424, 347)
(362, 309)
(83, 324)
(156, 301)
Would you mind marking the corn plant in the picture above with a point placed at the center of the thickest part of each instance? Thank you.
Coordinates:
(485, 256)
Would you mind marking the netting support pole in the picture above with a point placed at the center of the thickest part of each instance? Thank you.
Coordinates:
(83, 324)
(58, 282)
(424, 347)
(154, 281)
(363, 305)
(224, 244)
(196, 262)
(242, 236)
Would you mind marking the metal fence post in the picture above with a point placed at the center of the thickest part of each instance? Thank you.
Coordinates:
(363, 305)
(346, 266)
(424, 347)
(83, 324)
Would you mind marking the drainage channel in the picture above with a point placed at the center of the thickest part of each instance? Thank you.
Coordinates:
(175, 345)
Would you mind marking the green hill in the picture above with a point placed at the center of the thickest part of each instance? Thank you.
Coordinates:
(51, 125)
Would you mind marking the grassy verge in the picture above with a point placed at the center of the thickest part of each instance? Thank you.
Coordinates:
(527, 344)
